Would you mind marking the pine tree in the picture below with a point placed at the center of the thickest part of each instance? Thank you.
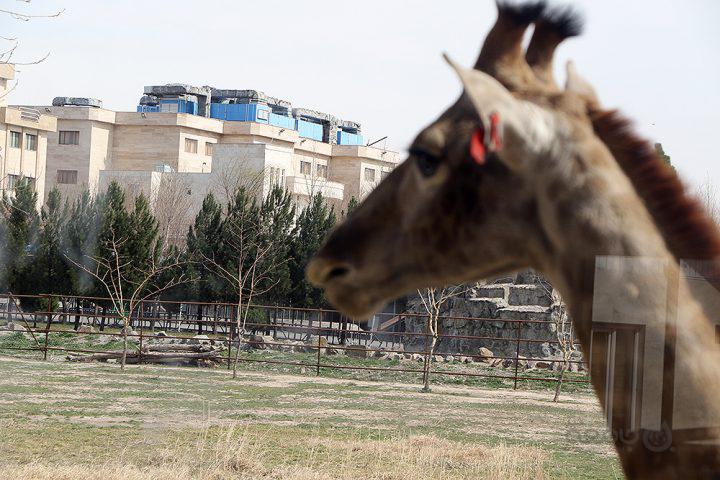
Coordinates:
(203, 241)
(21, 239)
(351, 206)
(142, 244)
(313, 225)
(240, 237)
(80, 237)
(114, 227)
(277, 214)
(50, 269)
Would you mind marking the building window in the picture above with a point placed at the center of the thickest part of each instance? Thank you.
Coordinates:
(208, 149)
(321, 171)
(383, 174)
(15, 139)
(68, 177)
(69, 137)
(11, 181)
(305, 168)
(369, 174)
(30, 142)
(191, 145)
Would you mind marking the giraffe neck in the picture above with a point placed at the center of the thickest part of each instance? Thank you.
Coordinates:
(613, 269)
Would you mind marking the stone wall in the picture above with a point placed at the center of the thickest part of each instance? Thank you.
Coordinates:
(523, 297)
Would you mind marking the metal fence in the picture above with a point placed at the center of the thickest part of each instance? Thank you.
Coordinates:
(327, 334)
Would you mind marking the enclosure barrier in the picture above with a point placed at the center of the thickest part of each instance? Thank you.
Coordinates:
(403, 339)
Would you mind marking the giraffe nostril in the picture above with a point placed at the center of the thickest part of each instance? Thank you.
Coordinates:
(336, 272)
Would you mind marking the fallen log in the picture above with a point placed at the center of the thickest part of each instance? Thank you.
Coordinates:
(171, 347)
(148, 357)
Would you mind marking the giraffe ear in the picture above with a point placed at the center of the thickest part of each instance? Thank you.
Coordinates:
(577, 84)
(525, 129)
(486, 94)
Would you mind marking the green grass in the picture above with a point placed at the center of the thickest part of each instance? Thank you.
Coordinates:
(251, 361)
(57, 412)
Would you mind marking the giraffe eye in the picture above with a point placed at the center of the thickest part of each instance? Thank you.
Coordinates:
(427, 164)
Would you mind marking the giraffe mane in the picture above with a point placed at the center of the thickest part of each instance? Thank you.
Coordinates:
(689, 232)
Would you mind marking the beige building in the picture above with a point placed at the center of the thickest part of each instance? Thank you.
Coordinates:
(159, 151)
(23, 140)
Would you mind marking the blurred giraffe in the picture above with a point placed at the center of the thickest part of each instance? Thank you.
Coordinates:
(520, 173)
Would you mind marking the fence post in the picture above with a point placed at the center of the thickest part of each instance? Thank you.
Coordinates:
(141, 319)
(47, 326)
(215, 319)
(517, 353)
(319, 330)
(230, 340)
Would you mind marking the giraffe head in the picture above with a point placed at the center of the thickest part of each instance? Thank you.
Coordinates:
(468, 201)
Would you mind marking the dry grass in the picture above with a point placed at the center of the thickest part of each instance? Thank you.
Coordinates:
(238, 454)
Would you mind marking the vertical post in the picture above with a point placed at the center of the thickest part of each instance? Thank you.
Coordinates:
(427, 364)
(230, 340)
(517, 354)
(215, 318)
(78, 311)
(47, 326)
(274, 322)
(141, 318)
(343, 330)
(319, 331)
(102, 318)
(199, 318)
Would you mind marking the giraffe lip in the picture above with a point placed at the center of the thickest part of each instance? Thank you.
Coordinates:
(353, 301)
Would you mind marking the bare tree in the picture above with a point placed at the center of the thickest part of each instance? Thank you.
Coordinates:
(432, 300)
(129, 283)
(564, 332)
(9, 45)
(565, 335)
(229, 176)
(248, 260)
(172, 207)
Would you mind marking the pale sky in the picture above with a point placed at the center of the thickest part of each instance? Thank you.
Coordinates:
(376, 62)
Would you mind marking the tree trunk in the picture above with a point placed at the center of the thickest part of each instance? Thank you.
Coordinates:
(429, 352)
(559, 382)
(78, 311)
(125, 343)
(238, 315)
(102, 319)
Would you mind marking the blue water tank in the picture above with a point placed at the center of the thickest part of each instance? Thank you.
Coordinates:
(310, 130)
(346, 138)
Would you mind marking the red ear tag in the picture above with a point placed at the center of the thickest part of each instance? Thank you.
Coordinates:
(496, 141)
(477, 146)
